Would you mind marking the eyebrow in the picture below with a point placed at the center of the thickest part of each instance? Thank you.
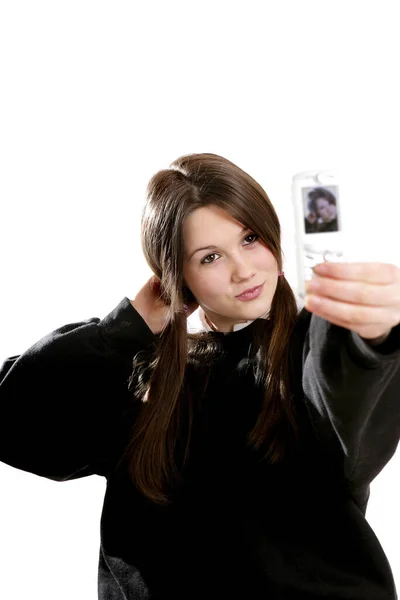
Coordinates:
(214, 247)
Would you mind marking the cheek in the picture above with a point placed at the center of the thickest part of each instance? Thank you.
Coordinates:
(211, 283)
(265, 260)
(206, 282)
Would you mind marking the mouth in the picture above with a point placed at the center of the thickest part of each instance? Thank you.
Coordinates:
(249, 291)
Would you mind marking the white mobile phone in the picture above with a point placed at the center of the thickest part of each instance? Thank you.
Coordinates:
(318, 222)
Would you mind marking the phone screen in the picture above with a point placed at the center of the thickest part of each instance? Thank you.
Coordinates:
(321, 210)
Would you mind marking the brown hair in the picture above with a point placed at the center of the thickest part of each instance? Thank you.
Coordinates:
(166, 400)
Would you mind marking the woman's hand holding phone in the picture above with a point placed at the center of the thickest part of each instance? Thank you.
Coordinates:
(362, 297)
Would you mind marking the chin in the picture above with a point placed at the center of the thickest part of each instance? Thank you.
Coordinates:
(251, 315)
(257, 310)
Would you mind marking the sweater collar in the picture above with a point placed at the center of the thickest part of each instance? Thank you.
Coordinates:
(196, 322)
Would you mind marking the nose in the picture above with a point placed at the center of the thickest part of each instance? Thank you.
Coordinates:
(242, 269)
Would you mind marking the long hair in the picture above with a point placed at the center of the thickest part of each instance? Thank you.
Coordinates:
(162, 384)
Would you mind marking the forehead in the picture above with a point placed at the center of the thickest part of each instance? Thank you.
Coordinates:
(322, 200)
(208, 219)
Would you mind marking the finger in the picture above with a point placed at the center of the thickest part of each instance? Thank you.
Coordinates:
(379, 273)
(370, 331)
(355, 292)
(346, 314)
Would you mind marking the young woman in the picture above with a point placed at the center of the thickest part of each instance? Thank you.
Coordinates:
(238, 435)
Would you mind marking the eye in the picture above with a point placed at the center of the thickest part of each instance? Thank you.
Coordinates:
(251, 235)
(205, 262)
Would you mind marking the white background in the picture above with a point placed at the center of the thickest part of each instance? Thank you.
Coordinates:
(95, 97)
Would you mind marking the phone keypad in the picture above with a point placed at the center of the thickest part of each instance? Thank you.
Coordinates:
(314, 256)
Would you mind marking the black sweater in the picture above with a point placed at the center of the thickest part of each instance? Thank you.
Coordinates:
(238, 527)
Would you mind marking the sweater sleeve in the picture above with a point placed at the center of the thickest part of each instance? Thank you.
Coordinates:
(63, 400)
(352, 391)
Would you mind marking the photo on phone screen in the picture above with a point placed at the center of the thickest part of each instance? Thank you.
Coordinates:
(321, 209)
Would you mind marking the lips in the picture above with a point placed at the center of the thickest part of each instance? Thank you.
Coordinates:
(249, 290)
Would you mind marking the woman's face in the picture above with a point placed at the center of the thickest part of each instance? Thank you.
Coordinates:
(237, 261)
(325, 210)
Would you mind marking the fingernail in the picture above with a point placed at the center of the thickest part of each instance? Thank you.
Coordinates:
(313, 286)
(312, 301)
(320, 269)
